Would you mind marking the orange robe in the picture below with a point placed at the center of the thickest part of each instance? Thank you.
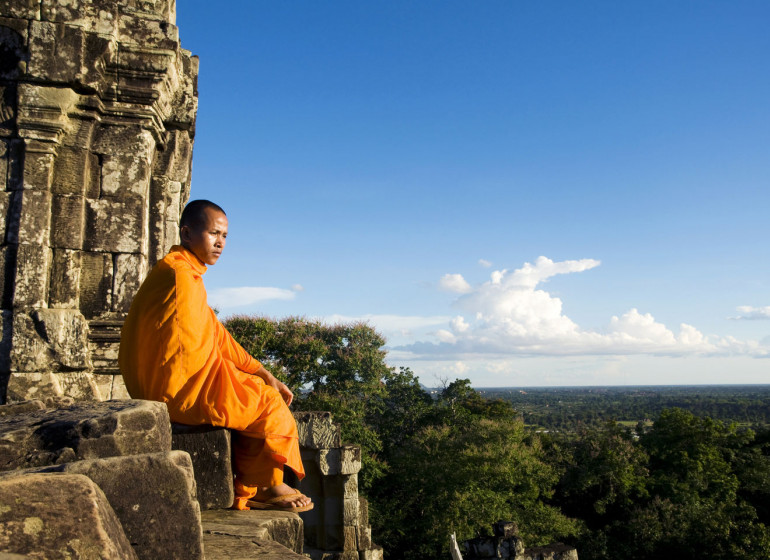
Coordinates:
(173, 349)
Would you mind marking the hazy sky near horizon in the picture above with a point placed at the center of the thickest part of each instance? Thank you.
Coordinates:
(520, 193)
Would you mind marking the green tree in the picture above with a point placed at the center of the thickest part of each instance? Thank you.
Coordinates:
(461, 478)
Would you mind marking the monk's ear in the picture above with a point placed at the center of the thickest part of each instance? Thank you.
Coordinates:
(184, 233)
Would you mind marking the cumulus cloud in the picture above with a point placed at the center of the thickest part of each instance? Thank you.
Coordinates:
(511, 314)
(454, 283)
(484, 263)
(750, 313)
(223, 298)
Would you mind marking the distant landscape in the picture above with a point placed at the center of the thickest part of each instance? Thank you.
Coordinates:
(568, 409)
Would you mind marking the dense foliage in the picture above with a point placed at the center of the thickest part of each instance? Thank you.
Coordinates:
(684, 486)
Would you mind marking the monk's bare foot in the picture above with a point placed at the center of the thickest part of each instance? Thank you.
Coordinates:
(293, 497)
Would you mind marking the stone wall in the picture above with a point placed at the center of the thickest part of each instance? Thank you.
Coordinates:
(97, 118)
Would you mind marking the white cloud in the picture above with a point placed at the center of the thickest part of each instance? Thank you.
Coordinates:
(748, 312)
(512, 315)
(298, 288)
(397, 329)
(459, 325)
(484, 263)
(224, 298)
(454, 283)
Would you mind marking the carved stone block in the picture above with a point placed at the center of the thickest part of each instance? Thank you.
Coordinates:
(65, 332)
(38, 171)
(343, 460)
(3, 160)
(162, 523)
(60, 517)
(32, 266)
(68, 54)
(96, 276)
(174, 161)
(5, 198)
(117, 226)
(119, 390)
(147, 32)
(209, 449)
(127, 155)
(97, 17)
(165, 199)
(23, 9)
(15, 157)
(65, 279)
(77, 385)
(130, 270)
(35, 218)
(48, 339)
(84, 431)
(317, 431)
(72, 171)
(68, 221)
(32, 385)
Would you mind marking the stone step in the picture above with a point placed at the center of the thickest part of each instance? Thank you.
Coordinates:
(242, 535)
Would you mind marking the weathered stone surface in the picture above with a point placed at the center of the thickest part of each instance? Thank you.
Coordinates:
(68, 221)
(127, 154)
(68, 54)
(83, 132)
(96, 276)
(32, 385)
(76, 386)
(317, 431)
(12, 556)
(50, 339)
(65, 331)
(31, 284)
(59, 517)
(556, 551)
(209, 449)
(21, 408)
(130, 270)
(227, 547)
(65, 279)
(31, 287)
(83, 431)
(153, 496)
(282, 527)
(117, 226)
(343, 460)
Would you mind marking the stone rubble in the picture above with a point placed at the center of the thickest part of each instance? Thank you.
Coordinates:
(505, 543)
(124, 447)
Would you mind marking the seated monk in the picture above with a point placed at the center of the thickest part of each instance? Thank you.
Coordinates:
(173, 349)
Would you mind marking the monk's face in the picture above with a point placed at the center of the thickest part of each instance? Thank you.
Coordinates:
(207, 240)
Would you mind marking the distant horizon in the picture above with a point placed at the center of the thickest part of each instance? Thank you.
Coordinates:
(617, 386)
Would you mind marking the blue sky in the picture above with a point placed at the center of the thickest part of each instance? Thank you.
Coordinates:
(520, 193)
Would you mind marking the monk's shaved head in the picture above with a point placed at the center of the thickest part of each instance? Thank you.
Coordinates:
(194, 214)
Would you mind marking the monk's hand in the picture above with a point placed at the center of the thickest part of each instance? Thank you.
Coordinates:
(285, 392)
(273, 382)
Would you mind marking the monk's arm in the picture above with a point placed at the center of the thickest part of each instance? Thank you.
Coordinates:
(234, 352)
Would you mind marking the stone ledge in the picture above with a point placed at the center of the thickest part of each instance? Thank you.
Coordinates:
(251, 526)
(228, 547)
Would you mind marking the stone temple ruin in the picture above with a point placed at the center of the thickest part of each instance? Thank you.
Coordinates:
(98, 104)
(97, 118)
